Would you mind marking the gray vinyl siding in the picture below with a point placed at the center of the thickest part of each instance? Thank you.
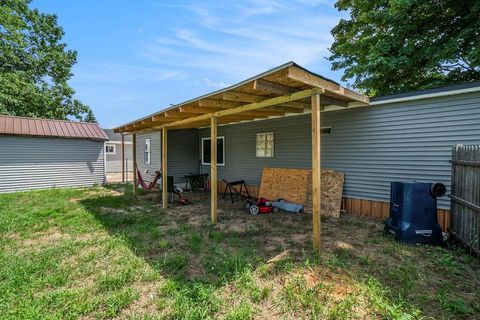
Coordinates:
(28, 163)
(182, 154)
(371, 145)
(148, 170)
(114, 161)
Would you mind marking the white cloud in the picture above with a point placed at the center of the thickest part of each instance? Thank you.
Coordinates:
(214, 84)
(114, 72)
(240, 39)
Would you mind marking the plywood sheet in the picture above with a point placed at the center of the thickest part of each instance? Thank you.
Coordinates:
(290, 184)
(295, 185)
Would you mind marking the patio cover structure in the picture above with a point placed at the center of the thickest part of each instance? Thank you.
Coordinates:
(286, 90)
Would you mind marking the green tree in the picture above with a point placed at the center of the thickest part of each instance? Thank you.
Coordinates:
(391, 46)
(35, 65)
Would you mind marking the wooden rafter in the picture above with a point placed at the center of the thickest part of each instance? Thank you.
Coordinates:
(242, 97)
(281, 81)
(301, 75)
(273, 87)
(223, 104)
(249, 107)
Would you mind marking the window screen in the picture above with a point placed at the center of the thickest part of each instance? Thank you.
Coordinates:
(265, 145)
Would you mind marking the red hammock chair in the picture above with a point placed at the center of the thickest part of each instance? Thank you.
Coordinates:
(152, 184)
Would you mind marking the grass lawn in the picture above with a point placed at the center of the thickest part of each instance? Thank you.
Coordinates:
(99, 253)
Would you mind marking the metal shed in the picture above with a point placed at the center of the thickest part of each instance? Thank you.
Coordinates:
(44, 153)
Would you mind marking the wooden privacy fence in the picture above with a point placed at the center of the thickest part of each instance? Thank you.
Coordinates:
(465, 195)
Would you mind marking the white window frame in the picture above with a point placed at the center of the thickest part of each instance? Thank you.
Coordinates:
(110, 145)
(273, 147)
(218, 138)
(147, 150)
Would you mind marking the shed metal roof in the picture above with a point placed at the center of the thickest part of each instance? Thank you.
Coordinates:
(24, 126)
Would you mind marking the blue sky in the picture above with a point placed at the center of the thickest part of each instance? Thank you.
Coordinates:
(137, 57)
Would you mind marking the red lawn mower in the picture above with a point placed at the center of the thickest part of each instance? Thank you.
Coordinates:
(262, 206)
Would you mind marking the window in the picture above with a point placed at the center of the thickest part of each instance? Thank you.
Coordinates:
(110, 149)
(326, 130)
(147, 151)
(206, 151)
(265, 145)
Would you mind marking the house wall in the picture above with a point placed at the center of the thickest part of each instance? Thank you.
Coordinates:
(371, 145)
(28, 163)
(182, 154)
(114, 161)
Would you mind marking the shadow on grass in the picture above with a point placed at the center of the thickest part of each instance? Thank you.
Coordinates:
(177, 248)
(193, 255)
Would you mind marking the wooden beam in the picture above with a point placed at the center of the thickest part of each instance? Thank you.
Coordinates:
(242, 97)
(160, 118)
(273, 87)
(195, 109)
(123, 158)
(164, 168)
(222, 104)
(202, 110)
(270, 102)
(327, 101)
(284, 109)
(298, 104)
(316, 171)
(248, 107)
(178, 114)
(134, 158)
(306, 77)
(213, 170)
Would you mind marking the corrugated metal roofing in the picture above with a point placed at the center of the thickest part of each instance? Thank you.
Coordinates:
(50, 128)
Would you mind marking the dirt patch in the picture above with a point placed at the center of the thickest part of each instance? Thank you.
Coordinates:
(112, 210)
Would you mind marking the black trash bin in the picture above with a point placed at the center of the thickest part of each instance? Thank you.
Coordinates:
(413, 212)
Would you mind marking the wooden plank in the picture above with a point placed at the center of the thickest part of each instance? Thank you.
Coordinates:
(196, 109)
(290, 184)
(123, 158)
(242, 97)
(466, 163)
(222, 104)
(316, 171)
(161, 119)
(178, 114)
(134, 158)
(468, 204)
(164, 136)
(273, 87)
(249, 107)
(301, 75)
(213, 171)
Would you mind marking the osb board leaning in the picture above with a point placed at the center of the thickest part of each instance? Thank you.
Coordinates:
(295, 185)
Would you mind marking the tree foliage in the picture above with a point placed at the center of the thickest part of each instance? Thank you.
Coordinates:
(391, 46)
(35, 65)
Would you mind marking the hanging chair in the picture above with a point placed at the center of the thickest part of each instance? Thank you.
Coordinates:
(152, 184)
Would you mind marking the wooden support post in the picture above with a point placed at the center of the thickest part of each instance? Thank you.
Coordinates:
(123, 158)
(316, 171)
(134, 156)
(213, 170)
(164, 169)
